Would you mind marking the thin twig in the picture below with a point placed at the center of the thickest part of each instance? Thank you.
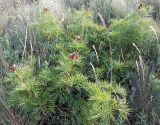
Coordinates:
(25, 43)
(94, 70)
(96, 52)
(122, 55)
(111, 59)
(155, 33)
(102, 20)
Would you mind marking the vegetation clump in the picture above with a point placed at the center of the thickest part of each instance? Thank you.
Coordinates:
(60, 86)
(79, 71)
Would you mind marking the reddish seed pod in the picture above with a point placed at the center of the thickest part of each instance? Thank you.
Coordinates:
(45, 10)
(12, 68)
(73, 56)
(139, 6)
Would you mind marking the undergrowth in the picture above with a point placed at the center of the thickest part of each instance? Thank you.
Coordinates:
(78, 72)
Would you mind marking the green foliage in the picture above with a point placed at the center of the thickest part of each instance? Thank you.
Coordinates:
(11, 49)
(134, 29)
(60, 90)
(91, 103)
(47, 28)
(103, 7)
(80, 66)
(94, 36)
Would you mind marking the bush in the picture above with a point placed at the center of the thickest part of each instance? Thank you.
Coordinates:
(73, 98)
(134, 29)
(60, 92)
(80, 68)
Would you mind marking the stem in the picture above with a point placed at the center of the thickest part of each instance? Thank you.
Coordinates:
(111, 59)
(94, 70)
